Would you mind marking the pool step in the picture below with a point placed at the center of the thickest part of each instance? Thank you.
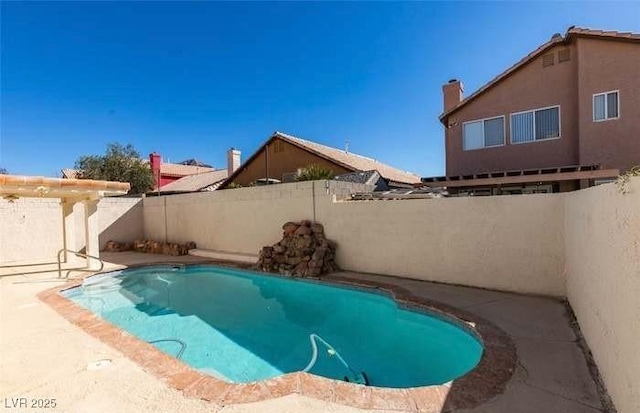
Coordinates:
(154, 309)
(138, 293)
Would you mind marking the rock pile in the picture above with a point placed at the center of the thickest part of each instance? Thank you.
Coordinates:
(303, 251)
(114, 246)
(154, 247)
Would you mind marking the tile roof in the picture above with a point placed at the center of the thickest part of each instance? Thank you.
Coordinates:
(359, 177)
(351, 160)
(167, 169)
(70, 173)
(195, 162)
(555, 40)
(192, 183)
(175, 169)
(603, 33)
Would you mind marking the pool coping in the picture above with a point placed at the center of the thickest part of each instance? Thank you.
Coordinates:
(487, 380)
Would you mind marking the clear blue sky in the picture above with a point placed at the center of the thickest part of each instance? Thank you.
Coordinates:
(192, 79)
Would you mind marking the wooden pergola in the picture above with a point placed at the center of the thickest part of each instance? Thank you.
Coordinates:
(70, 192)
(523, 176)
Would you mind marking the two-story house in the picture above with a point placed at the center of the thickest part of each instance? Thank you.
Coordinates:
(565, 116)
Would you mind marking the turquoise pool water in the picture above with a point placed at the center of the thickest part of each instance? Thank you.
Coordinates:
(243, 326)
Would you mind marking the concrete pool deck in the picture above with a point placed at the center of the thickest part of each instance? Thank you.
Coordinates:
(45, 356)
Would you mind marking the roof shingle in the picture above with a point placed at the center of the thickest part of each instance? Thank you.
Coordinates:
(352, 160)
(175, 169)
(192, 183)
(70, 173)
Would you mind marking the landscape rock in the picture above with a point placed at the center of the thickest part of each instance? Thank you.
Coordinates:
(303, 251)
(302, 230)
(113, 246)
(290, 227)
(150, 246)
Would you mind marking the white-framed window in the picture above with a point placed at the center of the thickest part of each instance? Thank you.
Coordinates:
(606, 106)
(535, 125)
(483, 133)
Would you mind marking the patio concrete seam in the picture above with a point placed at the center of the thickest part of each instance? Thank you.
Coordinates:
(519, 338)
(524, 381)
(466, 307)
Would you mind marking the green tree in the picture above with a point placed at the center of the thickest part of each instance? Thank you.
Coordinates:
(314, 172)
(119, 163)
(3, 171)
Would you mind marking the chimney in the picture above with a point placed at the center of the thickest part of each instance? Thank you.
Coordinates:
(452, 93)
(155, 160)
(233, 160)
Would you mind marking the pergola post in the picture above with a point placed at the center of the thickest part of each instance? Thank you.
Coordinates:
(91, 232)
(69, 229)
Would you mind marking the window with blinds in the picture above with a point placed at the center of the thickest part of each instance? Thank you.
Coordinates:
(535, 125)
(606, 106)
(483, 133)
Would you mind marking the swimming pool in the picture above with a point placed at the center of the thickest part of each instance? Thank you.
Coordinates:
(242, 326)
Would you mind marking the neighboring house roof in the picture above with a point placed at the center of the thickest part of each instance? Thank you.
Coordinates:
(195, 162)
(69, 173)
(178, 170)
(349, 160)
(607, 34)
(166, 169)
(340, 157)
(192, 183)
(360, 177)
(557, 39)
(365, 177)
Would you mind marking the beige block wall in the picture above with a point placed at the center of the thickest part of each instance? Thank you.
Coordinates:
(511, 243)
(120, 219)
(602, 244)
(31, 229)
(235, 220)
(484, 242)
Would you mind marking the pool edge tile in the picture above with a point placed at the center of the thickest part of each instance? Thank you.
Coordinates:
(207, 388)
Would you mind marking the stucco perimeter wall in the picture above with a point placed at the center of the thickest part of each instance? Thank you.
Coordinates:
(512, 243)
(120, 219)
(31, 229)
(238, 220)
(602, 244)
